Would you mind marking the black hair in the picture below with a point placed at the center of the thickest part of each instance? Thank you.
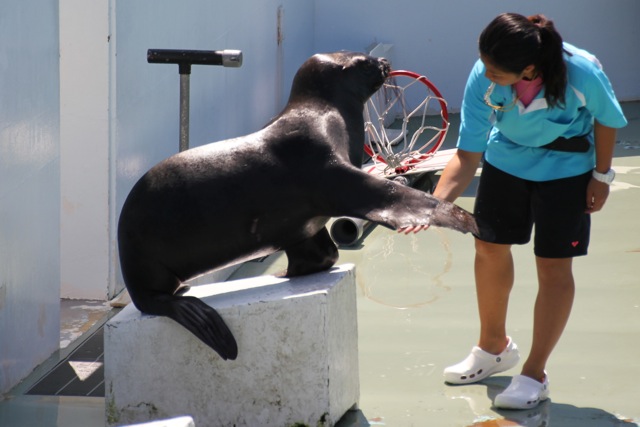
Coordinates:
(512, 42)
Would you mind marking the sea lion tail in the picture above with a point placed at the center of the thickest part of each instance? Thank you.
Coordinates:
(200, 319)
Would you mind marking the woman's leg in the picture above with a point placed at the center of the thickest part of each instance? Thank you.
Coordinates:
(494, 353)
(556, 291)
(494, 273)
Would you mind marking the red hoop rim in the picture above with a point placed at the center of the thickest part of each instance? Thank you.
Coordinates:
(444, 114)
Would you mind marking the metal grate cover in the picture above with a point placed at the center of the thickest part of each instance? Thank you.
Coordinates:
(80, 374)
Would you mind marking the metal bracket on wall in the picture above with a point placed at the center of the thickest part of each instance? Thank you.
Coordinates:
(185, 59)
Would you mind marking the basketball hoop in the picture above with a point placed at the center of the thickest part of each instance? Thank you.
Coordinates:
(406, 122)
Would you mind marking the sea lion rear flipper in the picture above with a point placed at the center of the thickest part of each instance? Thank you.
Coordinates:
(202, 321)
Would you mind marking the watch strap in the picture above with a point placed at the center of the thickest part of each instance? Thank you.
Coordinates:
(606, 178)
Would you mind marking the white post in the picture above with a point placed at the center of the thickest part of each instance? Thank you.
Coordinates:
(297, 356)
(85, 241)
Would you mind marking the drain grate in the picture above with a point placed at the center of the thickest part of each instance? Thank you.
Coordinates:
(80, 374)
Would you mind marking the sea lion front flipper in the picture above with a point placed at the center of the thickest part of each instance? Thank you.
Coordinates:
(417, 208)
(317, 253)
(449, 215)
(397, 206)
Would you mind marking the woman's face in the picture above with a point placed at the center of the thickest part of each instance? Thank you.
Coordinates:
(502, 77)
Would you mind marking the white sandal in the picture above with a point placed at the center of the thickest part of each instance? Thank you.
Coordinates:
(523, 393)
(480, 364)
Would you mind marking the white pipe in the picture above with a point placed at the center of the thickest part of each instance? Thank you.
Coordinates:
(347, 231)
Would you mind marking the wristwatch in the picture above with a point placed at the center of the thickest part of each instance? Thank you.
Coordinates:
(607, 178)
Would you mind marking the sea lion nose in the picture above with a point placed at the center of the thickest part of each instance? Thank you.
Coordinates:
(385, 66)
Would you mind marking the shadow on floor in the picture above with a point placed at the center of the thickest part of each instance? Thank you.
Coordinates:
(546, 414)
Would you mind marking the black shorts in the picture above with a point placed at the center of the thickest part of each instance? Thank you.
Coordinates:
(511, 205)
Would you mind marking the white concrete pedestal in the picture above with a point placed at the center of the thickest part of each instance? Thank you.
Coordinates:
(297, 361)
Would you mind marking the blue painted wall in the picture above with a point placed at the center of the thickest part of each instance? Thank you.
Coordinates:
(439, 39)
(225, 102)
(29, 187)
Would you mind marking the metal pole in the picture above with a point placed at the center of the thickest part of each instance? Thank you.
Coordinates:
(184, 110)
(184, 59)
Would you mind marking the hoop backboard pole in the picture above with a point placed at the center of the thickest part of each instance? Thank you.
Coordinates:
(185, 59)
(184, 108)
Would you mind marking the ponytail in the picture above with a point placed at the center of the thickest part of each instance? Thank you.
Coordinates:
(514, 42)
(551, 61)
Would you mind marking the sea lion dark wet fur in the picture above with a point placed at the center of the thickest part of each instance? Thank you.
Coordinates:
(235, 200)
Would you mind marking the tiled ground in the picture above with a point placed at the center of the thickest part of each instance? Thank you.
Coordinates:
(79, 374)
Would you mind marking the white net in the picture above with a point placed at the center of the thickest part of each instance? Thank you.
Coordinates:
(406, 122)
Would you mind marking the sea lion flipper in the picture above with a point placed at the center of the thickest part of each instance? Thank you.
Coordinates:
(312, 255)
(449, 215)
(205, 323)
(397, 206)
(431, 211)
(452, 216)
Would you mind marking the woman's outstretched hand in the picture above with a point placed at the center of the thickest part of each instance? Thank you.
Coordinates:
(412, 229)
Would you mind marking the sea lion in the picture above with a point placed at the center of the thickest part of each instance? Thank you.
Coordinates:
(275, 189)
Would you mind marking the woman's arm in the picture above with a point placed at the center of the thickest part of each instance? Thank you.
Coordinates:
(598, 192)
(457, 175)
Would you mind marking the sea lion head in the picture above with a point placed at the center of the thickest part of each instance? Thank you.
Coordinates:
(340, 75)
